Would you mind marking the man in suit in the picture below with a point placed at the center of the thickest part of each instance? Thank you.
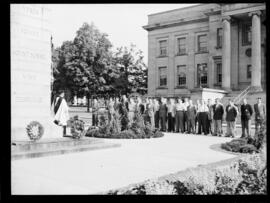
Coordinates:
(260, 113)
(231, 113)
(218, 111)
(156, 112)
(210, 123)
(191, 114)
(163, 114)
(246, 113)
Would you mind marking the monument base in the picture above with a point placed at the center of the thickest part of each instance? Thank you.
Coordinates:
(51, 131)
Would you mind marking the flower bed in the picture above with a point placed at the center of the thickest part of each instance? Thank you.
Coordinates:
(242, 176)
(136, 129)
(247, 145)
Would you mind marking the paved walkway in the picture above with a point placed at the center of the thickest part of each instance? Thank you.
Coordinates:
(101, 170)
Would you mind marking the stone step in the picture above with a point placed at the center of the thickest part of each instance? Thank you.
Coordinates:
(24, 146)
(62, 150)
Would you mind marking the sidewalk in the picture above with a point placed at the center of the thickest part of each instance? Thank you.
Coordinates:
(97, 171)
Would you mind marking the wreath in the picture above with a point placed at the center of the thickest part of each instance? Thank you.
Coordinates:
(34, 130)
(77, 127)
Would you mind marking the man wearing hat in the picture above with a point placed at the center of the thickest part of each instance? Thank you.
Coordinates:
(260, 113)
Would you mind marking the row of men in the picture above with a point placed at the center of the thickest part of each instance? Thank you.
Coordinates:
(177, 115)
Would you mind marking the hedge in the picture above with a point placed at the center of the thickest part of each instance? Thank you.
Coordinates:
(243, 176)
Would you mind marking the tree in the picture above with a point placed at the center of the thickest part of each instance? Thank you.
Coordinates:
(84, 63)
(132, 70)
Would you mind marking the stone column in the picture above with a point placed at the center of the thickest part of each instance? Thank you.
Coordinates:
(256, 50)
(226, 54)
(31, 70)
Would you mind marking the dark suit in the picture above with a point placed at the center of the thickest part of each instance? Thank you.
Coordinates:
(162, 116)
(260, 112)
(218, 116)
(191, 114)
(246, 113)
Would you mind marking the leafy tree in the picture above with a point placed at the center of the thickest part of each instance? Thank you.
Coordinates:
(132, 70)
(84, 62)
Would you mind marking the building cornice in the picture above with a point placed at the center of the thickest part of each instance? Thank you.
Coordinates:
(175, 23)
(213, 12)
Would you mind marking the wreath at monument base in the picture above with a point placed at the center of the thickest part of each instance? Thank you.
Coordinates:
(34, 130)
(77, 127)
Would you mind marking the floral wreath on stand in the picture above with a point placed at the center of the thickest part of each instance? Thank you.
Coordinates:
(34, 130)
(77, 127)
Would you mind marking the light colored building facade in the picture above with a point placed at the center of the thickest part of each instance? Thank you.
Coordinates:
(219, 46)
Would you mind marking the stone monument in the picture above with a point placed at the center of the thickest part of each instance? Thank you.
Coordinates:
(31, 70)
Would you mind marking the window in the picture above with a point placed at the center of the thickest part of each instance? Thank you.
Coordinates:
(219, 73)
(163, 48)
(181, 42)
(202, 43)
(246, 34)
(162, 76)
(181, 76)
(202, 74)
(219, 37)
(248, 71)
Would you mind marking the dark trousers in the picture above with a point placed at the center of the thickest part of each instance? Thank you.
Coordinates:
(185, 122)
(196, 122)
(170, 123)
(202, 122)
(179, 121)
(163, 122)
(204, 119)
(191, 125)
(156, 119)
(208, 127)
(64, 130)
(246, 125)
(94, 120)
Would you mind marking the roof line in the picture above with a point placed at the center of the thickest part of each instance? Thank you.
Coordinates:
(187, 7)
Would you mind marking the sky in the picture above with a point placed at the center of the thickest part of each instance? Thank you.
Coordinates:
(122, 22)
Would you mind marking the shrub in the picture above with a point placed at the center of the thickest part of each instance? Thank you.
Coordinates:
(77, 127)
(159, 187)
(248, 148)
(138, 190)
(115, 128)
(244, 176)
(248, 145)
(126, 134)
(92, 132)
(158, 134)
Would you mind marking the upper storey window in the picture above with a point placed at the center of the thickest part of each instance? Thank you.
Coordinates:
(246, 34)
(181, 42)
(163, 47)
(202, 43)
(219, 37)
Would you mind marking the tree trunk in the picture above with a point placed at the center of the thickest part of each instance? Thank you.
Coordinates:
(88, 102)
(126, 72)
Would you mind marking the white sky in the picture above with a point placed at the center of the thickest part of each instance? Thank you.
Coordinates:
(122, 22)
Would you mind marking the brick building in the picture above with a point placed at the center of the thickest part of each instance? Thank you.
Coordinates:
(218, 46)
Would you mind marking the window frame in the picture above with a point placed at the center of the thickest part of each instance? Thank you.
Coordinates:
(245, 34)
(181, 70)
(161, 48)
(199, 48)
(160, 83)
(219, 73)
(249, 71)
(178, 46)
(205, 71)
(219, 38)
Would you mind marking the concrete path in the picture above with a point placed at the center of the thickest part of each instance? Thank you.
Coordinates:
(101, 170)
